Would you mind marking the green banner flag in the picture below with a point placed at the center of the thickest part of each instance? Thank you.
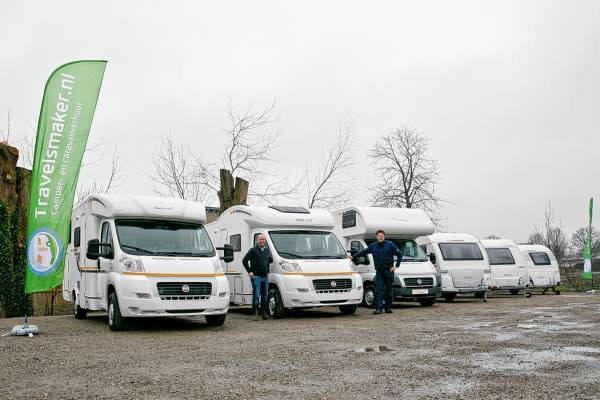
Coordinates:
(587, 248)
(68, 107)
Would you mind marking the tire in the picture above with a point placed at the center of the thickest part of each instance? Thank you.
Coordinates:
(369, 296)
(479, 295)
(449, 297)
(216, 320)
(275, 304)
(116, 322)
(428, 302)
(348, 309)
(78, 311)
(556, 291)
(514, 291)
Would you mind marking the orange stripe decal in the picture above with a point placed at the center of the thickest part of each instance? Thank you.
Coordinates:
(318, 273)
(171, 275)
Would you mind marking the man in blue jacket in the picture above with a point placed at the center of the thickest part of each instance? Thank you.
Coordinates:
(383, 252)
(256, 262)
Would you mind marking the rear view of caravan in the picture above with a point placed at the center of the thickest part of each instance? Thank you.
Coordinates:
(310, 267)
(508, 269)
(416, 278)
(461, 261)
(542, 267)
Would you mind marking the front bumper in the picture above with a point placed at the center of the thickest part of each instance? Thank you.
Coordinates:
(298, 291)
(401, 293)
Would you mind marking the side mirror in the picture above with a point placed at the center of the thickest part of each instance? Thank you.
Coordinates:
(227, 253)
(432, 257)
(95, 250)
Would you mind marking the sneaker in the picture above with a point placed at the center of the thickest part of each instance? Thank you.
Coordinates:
(377, 312)
(388, 311)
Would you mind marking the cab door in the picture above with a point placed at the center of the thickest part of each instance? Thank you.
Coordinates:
(105, 264)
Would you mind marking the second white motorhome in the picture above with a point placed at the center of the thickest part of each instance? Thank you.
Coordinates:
(143, 257)
(461, 261)
(542, 267)
(416, 278)
(310, 267)
(508, 269)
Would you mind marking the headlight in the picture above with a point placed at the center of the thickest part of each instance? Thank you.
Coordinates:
(289, 266)
(131, 264)
(218, 267)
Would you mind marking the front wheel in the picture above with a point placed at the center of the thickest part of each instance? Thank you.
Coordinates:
(479, 295)
(428, 302)
(216, 320)
(449, 297)
(78, 311)
(116, 322)
(369, 296)
(275, 309)
(514, 291)
(348, 309)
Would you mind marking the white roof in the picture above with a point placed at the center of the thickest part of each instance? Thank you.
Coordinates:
(491, 243)
(262, 216)
(534, 247)
(394, 221)
(114, 206)
(452, 237)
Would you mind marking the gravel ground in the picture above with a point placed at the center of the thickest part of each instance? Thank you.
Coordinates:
(542, 347)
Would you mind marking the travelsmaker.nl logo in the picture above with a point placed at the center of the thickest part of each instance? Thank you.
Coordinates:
(44, 251)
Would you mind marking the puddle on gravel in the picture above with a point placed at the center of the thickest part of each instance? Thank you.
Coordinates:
(513, 359)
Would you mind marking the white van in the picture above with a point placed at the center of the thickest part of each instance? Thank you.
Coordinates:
(416, 278)
(508, 270)
(143, 257)
(542, 267)
(310, 267)
(461, 262)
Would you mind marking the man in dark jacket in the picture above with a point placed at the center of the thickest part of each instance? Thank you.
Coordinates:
(256, 262)
(383, 253)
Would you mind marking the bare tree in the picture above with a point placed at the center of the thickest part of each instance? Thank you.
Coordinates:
(409, 176)
(327, 185)
(5, 133)
(116, 178)
(492, 236)
(551, 235)
(578, 240)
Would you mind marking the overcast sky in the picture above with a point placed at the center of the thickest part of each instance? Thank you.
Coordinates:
(508, 91)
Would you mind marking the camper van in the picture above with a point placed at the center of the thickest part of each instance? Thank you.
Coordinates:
(461, 262)
(310, 267)
(416, 278)
(507, 266)
(143, 257)
(542, 267)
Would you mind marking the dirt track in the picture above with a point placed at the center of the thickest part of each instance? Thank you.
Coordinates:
(546, 346)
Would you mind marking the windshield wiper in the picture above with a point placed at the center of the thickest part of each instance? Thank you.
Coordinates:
(285, 253)
(183, 254)
(137, 249)
(330, 257)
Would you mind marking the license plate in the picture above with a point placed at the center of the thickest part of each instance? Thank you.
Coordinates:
(420, 291)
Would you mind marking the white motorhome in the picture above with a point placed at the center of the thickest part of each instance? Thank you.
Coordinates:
(542, 267)
(461, 262)
(143, 257)
(416, 278)
(508, 269)
(310, 267)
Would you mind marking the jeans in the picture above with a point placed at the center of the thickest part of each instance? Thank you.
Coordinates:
(260, 292)
(384, 281)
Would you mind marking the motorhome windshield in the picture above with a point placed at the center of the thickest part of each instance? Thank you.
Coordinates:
(163, 238)
(306, 244)
(460, 251)
(500, 256)
(411, 252)
(540, 258)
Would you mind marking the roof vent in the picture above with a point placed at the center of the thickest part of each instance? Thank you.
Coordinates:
(290, 210)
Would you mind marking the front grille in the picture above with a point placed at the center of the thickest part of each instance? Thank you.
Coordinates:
(413, 282)
(332, 285)
(332, 301)
(175, 290)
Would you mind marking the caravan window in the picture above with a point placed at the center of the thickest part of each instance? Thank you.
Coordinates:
(500, 256)
(163, 238)
(460, 251)
(306, 244)
(77, 237)
(540, 258)
(236, 242)
(348, 219)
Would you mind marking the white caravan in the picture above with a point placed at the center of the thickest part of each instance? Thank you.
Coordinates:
(461, 262)
(310, 267)
(416, 278)
(143, 257)
(542, 267)
(508, 270)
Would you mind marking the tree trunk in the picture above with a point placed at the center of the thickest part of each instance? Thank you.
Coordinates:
(232, 193)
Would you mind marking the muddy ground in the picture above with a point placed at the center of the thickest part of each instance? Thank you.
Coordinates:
(510, 347)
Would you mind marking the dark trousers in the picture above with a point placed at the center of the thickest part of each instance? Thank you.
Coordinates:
(384, 281)
(260, 293)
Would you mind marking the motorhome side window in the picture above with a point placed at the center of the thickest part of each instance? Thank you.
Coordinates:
(540, 258)
(500, 257)
(348, 219)
(77, 237)
(356, 246)
(105, 235)
(236, 242)
(460, 251)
